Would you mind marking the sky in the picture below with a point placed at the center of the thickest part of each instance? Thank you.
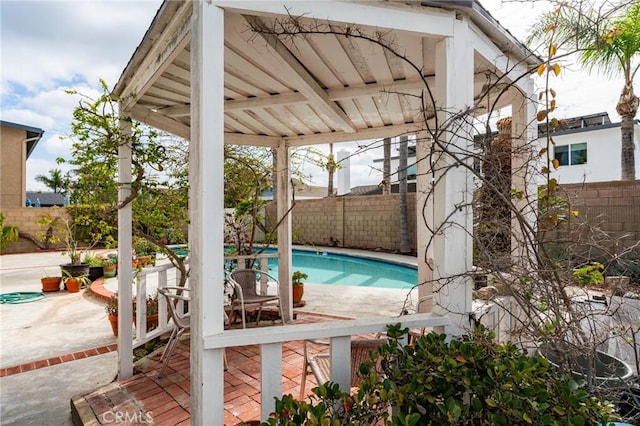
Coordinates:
(47, 47)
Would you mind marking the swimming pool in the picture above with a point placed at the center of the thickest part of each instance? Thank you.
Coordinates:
(330, 268)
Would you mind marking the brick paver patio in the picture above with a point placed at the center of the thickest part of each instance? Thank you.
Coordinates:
(145, 399)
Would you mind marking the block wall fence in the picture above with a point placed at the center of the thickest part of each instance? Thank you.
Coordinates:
(372, 222)
(613, 206)
(366, 222)
(25, 219)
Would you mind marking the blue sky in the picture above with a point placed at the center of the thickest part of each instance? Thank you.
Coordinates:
(49, 46)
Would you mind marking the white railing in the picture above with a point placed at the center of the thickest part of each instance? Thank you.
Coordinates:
(263, 261)
(339, 332)
(498, 315)
(152, 278)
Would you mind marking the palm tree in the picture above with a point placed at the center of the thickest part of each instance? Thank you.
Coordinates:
(402, 177)
(55, 181)
(606, 40)
(386, 167)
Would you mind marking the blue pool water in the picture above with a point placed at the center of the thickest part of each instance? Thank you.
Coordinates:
(329, 268)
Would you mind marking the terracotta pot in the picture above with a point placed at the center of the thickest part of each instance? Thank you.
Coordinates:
(50, 283)
(73, 285)
(152, 322)
(113, 319)
(298, 292)
(144, 261)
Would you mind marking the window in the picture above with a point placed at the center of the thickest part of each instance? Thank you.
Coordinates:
(571, 155)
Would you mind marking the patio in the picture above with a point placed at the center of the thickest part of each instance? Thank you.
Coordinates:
(166, 400)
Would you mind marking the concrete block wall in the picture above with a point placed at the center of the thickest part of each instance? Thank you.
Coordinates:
(25, 219)
(367, 222)
(613, 206)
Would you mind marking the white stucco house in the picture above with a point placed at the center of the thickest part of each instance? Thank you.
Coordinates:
(588, 149)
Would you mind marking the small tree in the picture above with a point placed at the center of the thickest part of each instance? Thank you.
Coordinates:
(9, 233)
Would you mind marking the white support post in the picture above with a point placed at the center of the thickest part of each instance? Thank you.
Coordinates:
(424, 220)
(341, 362)
(125, 310)
(284, 230)
(271, 372)
(206, 153)
(523, 163)
(453, 188)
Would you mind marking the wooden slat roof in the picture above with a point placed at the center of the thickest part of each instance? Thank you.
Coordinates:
(312, 89)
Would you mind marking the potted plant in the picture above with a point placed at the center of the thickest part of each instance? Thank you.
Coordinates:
(95, 265)
(112, 313)
(73, 284)
(62, 229)
(152, 311)
(50, 283)
(145, 251)
(109, 267)
(298, 286)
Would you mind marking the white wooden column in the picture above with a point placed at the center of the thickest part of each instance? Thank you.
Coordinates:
(206, 177)
(524, 129)
(453, 187)
(125, 308)
(424, 220)
(284, 230)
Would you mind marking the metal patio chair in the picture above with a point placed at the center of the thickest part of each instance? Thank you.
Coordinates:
(181, 321)
(246, 282)
(320, 363)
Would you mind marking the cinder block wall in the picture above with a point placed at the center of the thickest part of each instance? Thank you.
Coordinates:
(614, 206)
(367, 222)
(25, 219)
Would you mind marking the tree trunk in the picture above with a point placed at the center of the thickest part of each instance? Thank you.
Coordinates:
(627, 107)
(331, 168)
(274, 173)
(386, 167)
(402, 177)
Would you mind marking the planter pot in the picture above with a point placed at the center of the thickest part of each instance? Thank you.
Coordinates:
(298, 292)
(144, 261)
(75, 269)
(73, 285)
(95, 272)
(109, 271)
(50, 283)
(113, 320)
(610, 372)
(152, 322)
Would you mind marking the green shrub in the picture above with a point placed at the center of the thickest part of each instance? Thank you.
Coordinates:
(469, 381)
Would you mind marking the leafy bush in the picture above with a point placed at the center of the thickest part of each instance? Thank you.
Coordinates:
(469, 381)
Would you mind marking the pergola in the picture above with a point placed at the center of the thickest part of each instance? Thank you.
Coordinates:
(203, 72)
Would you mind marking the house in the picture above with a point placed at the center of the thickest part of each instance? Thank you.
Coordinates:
(17, 143)
(217, 72)
(46, 199)
(588, 149)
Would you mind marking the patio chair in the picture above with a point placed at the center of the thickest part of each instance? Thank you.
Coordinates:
(320, 363)
(246, 282)
(181, 321)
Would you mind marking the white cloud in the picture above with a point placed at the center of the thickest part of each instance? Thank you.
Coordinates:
(47, 46)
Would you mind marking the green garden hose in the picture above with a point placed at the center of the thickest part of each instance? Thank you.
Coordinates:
(21, 297)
